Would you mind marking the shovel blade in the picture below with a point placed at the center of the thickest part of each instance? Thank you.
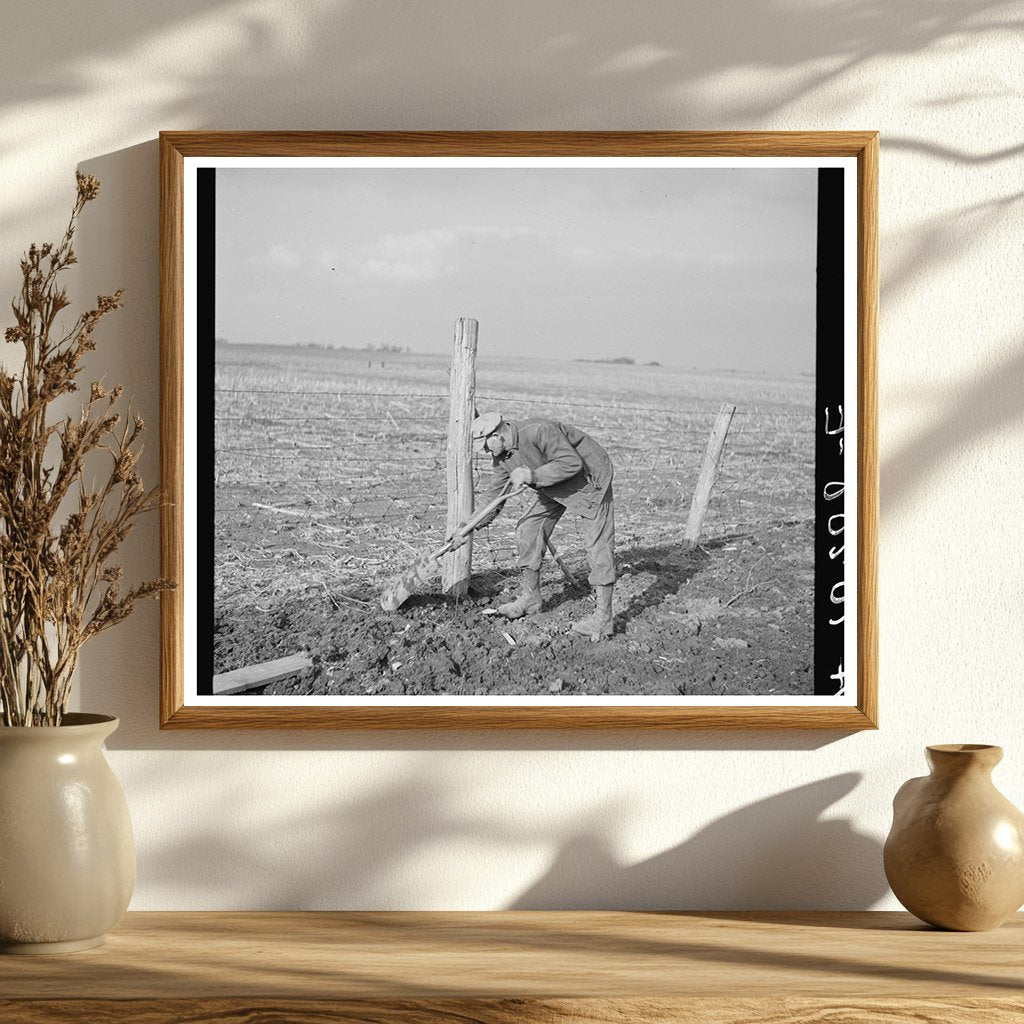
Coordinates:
(402, 587)
(394, 597)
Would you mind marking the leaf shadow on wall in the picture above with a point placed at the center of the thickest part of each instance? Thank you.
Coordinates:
(777, 853)
(962, 420)
(774, 855)
(409, 843)
(314, 65)
(939, 244)
(364, 65)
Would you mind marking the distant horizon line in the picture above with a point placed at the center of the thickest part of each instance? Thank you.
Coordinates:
(406, 351)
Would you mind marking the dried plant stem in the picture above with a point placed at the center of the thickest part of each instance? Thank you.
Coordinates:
(58, 587)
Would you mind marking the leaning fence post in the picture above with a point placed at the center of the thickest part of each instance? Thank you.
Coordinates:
(708, 473)
(457, 567)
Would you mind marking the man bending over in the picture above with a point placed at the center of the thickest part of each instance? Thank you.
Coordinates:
(568, 469)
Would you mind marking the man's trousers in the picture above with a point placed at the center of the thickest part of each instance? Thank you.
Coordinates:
(535, 527)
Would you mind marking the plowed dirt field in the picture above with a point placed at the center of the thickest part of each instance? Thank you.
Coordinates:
(330, 478)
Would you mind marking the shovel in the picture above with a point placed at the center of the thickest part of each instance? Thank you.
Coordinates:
(401, 588)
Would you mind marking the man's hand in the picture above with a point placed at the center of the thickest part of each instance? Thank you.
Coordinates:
(523, 475)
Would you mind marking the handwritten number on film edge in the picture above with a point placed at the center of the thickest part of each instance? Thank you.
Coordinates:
(832, 491)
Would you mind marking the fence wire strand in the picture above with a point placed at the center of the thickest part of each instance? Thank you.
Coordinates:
(344, 494)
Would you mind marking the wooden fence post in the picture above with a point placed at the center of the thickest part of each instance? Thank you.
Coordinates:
(457, 567)
(708, 474)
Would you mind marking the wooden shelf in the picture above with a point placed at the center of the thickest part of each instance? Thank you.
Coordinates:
(500, 968)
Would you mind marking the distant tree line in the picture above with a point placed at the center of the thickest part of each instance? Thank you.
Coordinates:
(617, 361)
(325, 346)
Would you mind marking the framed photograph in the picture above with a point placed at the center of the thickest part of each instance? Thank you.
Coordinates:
(519, 430)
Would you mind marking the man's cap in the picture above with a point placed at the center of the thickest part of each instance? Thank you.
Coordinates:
(483, 427)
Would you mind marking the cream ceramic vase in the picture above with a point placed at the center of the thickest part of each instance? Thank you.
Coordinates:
(955, 855)
(67, 855)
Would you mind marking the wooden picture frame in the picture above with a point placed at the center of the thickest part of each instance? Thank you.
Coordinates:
(846, 308)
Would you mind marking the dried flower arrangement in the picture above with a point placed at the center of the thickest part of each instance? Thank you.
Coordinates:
(58, 588)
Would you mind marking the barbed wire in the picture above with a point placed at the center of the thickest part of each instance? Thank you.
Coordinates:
(754, 410)
(367, 488)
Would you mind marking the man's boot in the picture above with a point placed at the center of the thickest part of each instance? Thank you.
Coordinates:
(529, 600)
(600, 623)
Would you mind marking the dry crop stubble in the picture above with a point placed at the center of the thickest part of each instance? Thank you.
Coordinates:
(330, 479)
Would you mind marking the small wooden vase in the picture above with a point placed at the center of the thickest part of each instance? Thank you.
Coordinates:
(955, 854)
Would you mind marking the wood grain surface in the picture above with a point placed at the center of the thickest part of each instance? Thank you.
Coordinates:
(544, 966)
(246, 143)
(867, 429)
(172, 419)
(176, 146)
(514, 1011)
(513, 717)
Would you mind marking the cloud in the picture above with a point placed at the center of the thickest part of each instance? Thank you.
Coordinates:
(419, 256)
(589, 256)
(280, 256)
(429, 254)
(624, 255)
(402, 270)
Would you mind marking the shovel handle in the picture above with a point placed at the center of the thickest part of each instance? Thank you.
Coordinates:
(471, 524)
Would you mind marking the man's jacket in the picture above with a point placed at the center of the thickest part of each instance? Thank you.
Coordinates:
(568, 466)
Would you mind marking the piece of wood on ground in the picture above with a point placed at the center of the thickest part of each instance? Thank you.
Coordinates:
(241, 679)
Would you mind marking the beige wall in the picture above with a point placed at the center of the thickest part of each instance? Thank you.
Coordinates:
(630, 820)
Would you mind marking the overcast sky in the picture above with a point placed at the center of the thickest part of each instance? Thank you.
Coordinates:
(693, 267)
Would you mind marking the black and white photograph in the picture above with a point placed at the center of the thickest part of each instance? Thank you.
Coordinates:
(521, 432)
